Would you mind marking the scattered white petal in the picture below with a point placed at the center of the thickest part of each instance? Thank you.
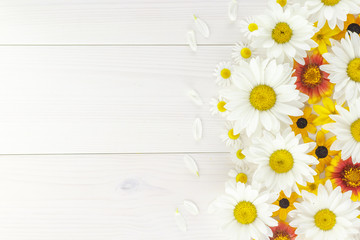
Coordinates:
(191, 165)
(197, 129)
(180, 221)
(191, 40)
(202, 27)
(195, 97)
(233, 10)
(191, 207)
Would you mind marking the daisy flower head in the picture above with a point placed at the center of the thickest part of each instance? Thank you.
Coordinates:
(218, 106)
(243, 52)
(322, 37)
(322, 150)
(223, 73)
(346, 174)
(248, 27)
(245, 212)
(262, 96)
(347, 130)
(238, 157)
(285, 34)
(330, 215)
(304, 124)
(242, 174)
(344, 68)
(283, 232)
(286, 205)
(282, 161)
(325, 111)
(332, 11)
(352, 24)
(232, 139)
(311, 80)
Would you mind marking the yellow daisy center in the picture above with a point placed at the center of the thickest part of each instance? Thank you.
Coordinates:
(225, 73)
(262, 97)
(282, 2)
(353, 70)
(282, 33)
(245, 212)
(282, 237)
(319, 36)
(221, 106)
(352, 177)
(245, 52)
(241, 177)
(240, 155)
(312, 186)
(232, 136)
(355, 130)
(312, 76)
(253, 27)
(281, 161)
(325, 219)
(330, 2)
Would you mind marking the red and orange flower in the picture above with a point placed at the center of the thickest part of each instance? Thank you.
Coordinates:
(311, 80)
(283, 231)
(346, 174)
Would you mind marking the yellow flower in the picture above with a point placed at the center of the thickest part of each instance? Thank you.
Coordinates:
(351, 23)
(325, 111)
(313, 187)
(322, 37)
(304, 123)
(322, 151)
(286, 204)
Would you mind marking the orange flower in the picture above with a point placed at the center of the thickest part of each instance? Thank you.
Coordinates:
(304, 123)
(283, 231)
(352, 24)
(311, 80)
(322, 151)
(286, 204)
(322, 38)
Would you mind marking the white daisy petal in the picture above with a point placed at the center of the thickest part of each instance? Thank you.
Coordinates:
(195, 97)
(201, 26)
(191, 165)
(191, 207)
(191, 40)
(197, 129)
(233, 10)
(180, 221)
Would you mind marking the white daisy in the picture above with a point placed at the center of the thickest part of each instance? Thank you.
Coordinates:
(248, 27)
(242, 174)
(284, 3)
(282, 161)
(285, 33)
(230, 138)
(223, 73)
(263, 95)
(246, 213)
(343, 67)
(347, 131)
(332, 11)
(331, 215)
(238, 157)
(218, 106)
(243, 52)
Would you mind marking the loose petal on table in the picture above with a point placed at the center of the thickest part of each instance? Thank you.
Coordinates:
(233, 10)
(191, 207)
(202, 27)
(191, 40)
(195, 97)
(197, 129)
(191, 165)
(180, 221)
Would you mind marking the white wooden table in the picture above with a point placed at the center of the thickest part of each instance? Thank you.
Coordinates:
(95, 117)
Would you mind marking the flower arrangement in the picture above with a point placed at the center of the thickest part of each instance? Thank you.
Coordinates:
(290, 100)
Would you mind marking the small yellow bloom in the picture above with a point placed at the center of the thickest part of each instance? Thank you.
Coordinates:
(286, 204)
(322, 37)
(325, 111)
(304, 123)
(313, 187)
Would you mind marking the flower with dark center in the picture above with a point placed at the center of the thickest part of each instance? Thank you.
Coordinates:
(321, 152)
(301, 123)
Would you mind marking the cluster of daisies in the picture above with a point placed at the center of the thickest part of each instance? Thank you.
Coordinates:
(290, 98)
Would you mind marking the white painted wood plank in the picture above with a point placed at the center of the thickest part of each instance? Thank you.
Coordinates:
(106, 99)
(107, 197)
(117, 21)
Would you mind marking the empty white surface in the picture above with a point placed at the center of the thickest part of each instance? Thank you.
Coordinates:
(80, 77)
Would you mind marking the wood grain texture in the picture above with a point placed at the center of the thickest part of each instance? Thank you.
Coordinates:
(107, 99)
(117, 21)
(103, 197)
